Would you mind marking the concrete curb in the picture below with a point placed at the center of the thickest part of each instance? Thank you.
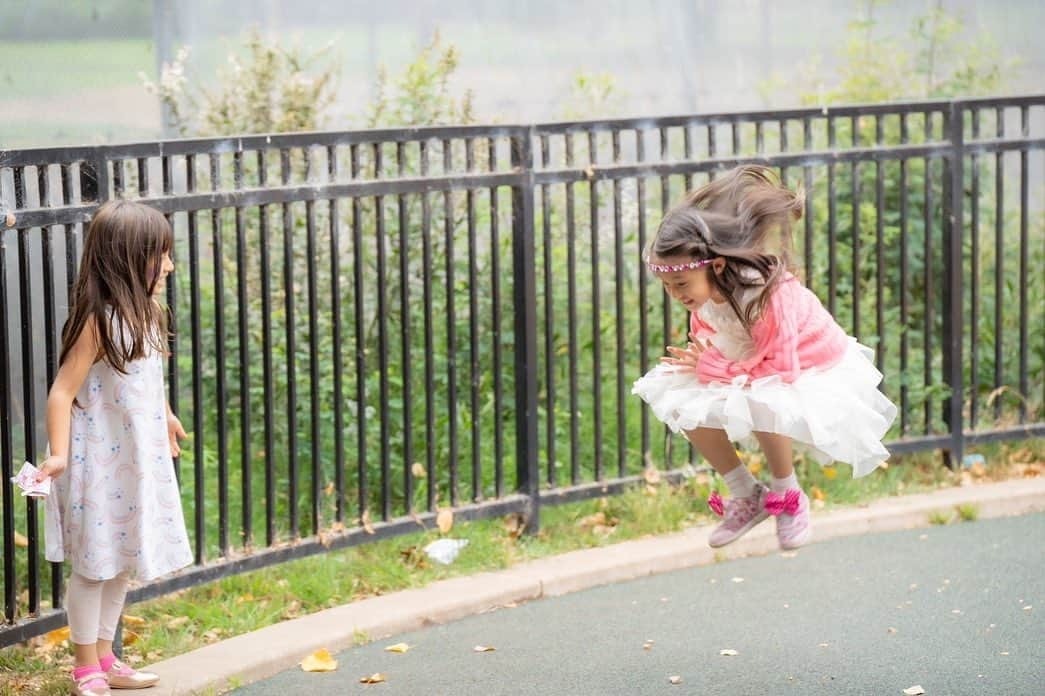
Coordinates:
(268, 651)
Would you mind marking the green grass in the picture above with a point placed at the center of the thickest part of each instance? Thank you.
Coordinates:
(189, 619)
(59, 68)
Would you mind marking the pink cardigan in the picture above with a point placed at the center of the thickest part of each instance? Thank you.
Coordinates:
(794, 333)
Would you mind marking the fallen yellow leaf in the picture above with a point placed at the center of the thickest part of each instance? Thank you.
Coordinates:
(129, 620)
(329, 490)
(58, 636)
(375, 678)
(445, 520)
(397, 648)
(418, 470)
(319, 661)
(483, 648)
(21, 541)
(130, 637)
(177, 621)
(817, 493)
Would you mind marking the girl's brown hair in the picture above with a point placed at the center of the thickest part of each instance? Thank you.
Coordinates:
(743, 217)
(122, 255)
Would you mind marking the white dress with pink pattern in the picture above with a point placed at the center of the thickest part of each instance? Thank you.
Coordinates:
(117, 506)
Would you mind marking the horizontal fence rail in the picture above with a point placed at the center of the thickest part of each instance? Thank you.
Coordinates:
(372, 326)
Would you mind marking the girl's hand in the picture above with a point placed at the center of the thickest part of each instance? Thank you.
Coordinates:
(687, 357)
(52, 467)
(175, 432)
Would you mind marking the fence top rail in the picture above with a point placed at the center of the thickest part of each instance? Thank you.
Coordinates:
(847, 110)
(248, 143)
(277, 141)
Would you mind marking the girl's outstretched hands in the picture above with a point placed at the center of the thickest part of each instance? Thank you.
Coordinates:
(687, 357)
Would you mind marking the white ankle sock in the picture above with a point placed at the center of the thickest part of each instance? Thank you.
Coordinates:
(783, 484)
(740, 482)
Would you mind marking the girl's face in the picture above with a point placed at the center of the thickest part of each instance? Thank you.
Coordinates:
(693, 287)
(166, 266)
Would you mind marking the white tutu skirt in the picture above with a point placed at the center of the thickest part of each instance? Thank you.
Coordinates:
(834, 414)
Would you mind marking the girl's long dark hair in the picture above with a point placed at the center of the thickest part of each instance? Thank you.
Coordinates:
(743, 217)
(122, 254)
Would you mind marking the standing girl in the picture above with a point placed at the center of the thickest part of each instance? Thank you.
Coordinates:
(115, 507)
(766, 363)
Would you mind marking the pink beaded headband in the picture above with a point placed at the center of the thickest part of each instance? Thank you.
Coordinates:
(691, 266)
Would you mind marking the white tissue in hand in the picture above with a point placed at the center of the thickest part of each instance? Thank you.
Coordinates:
(26, 480)
(445, 550)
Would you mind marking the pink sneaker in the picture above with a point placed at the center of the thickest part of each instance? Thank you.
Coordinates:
(791, 509)
(740, 515)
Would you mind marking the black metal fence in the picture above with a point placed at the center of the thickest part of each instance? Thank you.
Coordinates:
(375, 325)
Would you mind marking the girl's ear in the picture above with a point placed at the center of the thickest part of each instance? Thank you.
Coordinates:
(718, 265)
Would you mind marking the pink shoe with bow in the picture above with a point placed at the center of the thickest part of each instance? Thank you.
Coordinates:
(791, 509)
(739, 515)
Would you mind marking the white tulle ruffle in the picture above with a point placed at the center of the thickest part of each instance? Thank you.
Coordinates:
(835, 414)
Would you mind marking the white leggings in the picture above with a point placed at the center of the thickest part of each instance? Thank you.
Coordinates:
(94, 607)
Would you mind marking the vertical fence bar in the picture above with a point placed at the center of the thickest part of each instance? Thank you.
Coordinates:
(596, 311)
(217, 244)
(571, 289)
(173, 381)
(904, 327)
(475, 374)
(1024, 245)
(974, 286)
(426, 241)
(292, 351)
(525, 327)
(6, 446)
(197, 367)
(266, 357)
(856, 192)
(832, 224)
(495, 268)
(879, 251)
(312, 278)
(382, 341)
(336, 338)
(363, 493)
(928, 325)
(246, 483)
(999, 256)
(665, 193)
(404, 333)
(640, 187)
(549, 312)
(451, 323)
(954, 313)
(807, 173)
(618, 257)
(28, 391)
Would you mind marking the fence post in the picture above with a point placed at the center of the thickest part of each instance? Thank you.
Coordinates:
(953, 366)
(524, 293)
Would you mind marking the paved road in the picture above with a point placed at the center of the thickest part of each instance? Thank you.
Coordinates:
(945, 608)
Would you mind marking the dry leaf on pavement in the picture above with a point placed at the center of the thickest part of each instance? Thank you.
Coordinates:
(319, 661)
(397, 648)
(483, 648)
(728, 652)
(375, 678)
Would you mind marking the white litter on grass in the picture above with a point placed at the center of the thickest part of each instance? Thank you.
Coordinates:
(445, 550)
